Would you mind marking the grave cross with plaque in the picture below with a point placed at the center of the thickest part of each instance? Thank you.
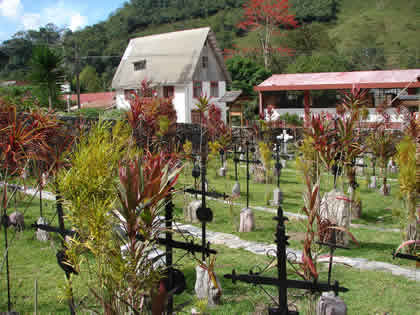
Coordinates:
(281, 281)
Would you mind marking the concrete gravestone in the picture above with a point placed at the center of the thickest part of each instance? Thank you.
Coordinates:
(191, 211)
(207, 286)
(335, 206)
(42, 235)
(329, 304)
(247, 221)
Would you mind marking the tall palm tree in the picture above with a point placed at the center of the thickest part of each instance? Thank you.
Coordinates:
(46, 66)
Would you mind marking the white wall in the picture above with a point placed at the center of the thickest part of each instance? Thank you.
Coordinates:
(179, 102)
(183, 100)
(372, 117)
(222, 105)
(189, 101)
(120, 100)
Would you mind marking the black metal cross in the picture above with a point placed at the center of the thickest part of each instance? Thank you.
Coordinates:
(281, 282)
(236, 161)
(248, 161)
(169, 245)
(374, 165)
(61, 255)
(278, 164)
(407, 256)
(247, 170)
(332, 244)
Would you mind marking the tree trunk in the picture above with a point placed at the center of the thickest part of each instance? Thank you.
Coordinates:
(49, 101)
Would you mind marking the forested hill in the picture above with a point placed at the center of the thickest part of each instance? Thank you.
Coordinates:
(333, 35)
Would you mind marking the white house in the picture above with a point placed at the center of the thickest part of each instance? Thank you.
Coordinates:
(183, 65)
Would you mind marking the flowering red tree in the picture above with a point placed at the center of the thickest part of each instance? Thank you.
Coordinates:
(266, 16)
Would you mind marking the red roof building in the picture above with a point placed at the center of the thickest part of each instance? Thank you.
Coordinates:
(95, 100)
(399, 81)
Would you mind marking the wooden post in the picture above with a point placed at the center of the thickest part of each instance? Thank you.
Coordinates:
(307, 106)
(36, 298)
(261, 103)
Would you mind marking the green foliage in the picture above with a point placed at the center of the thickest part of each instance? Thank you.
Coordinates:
(309, 38)
(91, 178)
(20, 96)
(406, 160)
(309, 10)
(89, 80)
(246, 74)
(360, 31)
(292, 119)
(46, 71)
(364, 34)
(89, 188)
(266, 154)
(317, 63)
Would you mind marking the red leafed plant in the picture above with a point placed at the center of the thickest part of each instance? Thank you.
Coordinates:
(144, 184)
(310, 208)
(21, 137)
(265, 17)
(150, 116)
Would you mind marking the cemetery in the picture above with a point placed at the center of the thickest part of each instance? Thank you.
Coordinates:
(147, 216)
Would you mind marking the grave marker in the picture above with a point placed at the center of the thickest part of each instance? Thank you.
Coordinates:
(281, 282)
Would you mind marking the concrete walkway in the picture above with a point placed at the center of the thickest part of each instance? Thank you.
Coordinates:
(233, 241)
(304, 217)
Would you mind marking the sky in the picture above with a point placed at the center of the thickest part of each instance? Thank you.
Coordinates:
(22, 15)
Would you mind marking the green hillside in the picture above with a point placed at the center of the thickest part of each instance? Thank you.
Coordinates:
(354, 34)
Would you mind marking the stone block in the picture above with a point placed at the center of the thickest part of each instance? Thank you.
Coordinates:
(42, 235)
(331, 305)
(372, 184)
(236, 189)
(247, 221)
(222, 172)
(190, 214)
(277, 197)
(335, 206)
(207, 286)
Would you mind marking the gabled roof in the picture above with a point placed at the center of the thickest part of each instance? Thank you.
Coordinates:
(171, 58)
(230, 96)
(342, 80)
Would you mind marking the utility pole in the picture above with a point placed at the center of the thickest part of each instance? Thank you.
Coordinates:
(77, 76)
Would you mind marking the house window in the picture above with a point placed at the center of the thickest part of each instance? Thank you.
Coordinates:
(214, 89)
(205, 62)
(197, 89)
(168, 91)
(195, 116)
(140, 65)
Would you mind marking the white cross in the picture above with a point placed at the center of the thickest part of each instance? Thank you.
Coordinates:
(285, 136)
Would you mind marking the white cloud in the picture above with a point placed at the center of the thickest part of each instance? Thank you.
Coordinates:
(60, 14)
(77, 21)
(10, 8)
(31, 21)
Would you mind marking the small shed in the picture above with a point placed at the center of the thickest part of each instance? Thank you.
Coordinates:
(234, 105)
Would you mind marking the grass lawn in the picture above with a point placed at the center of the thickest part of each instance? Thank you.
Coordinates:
(371, 292)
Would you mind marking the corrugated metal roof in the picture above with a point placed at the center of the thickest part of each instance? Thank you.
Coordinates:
(341, 80)
(171, 58)
(409, 97)
(230, 96)
(94, 97)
